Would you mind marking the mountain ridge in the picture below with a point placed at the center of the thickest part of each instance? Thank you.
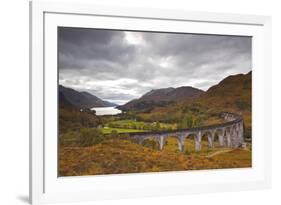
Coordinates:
(161, 97)
(71, 97)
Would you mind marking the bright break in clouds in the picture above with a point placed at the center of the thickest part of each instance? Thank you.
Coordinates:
(119, 66)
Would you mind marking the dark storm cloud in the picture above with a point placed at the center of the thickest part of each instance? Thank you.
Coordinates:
(119, 66)
(78, 48)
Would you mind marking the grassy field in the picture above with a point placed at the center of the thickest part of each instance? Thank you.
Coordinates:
(108, 130)
(132, 124)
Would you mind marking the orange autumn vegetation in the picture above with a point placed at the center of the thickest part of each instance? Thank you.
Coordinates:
(122, 156)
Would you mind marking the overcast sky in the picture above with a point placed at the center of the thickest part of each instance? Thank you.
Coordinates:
(119, 66)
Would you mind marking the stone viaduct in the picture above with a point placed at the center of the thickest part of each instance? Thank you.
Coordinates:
(229, 134)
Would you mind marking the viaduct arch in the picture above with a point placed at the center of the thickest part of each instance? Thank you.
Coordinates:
(230, 134)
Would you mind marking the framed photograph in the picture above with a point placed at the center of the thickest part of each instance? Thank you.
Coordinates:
(129, 102)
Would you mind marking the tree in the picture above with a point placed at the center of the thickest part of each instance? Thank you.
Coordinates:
(157, 126)
(189, 121)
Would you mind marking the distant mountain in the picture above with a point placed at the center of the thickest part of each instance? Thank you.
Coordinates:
(161, 97)
(158, 94)
(71, 97)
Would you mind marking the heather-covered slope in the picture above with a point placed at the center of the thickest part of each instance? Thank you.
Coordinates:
(233, 94)
(120, 156)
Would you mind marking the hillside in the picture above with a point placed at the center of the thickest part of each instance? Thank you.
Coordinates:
(120, 156)
(232, 94)
(71, 97)
(161, 97)
(63, 102)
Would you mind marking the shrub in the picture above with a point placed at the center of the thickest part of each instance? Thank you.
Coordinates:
(242, 104)
(114, 134)
(150, 144)
(187, 152)
(248, 133)
(90, 136)
(69, 138)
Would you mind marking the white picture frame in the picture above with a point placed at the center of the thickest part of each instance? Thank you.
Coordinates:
(46, 187)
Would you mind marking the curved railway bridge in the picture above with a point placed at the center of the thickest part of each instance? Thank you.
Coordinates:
(229, 134)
